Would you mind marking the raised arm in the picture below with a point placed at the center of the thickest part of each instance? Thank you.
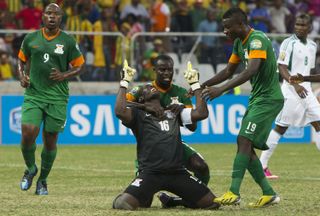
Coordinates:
(200, 112)
(121, 110)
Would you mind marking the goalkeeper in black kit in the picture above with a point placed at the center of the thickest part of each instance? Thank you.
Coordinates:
(159, 148)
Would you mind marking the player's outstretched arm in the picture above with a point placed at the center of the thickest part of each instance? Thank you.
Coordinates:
(200, 112)
(311, 78)
(121, 110)
(221, 76)
(210, 93)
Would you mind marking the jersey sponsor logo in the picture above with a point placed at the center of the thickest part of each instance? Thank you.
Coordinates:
(282, 56)
(137, 182)
(255, 44)
(35, 46)
(59, 49)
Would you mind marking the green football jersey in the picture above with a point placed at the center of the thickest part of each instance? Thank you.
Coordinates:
(174, 95)
(43, 54)
(265, 83)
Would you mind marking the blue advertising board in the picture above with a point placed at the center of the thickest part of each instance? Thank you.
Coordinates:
(91, 120)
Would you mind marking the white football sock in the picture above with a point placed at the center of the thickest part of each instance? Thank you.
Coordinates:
(317, 137)
(272, 142)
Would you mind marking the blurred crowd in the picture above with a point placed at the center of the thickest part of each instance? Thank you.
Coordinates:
(104, 54)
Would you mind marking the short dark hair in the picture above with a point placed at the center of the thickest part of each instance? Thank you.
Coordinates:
(305, 16)
(235, 11)
(162, 57)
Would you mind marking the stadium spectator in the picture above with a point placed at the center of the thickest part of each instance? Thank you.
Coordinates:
(198, 13)
(6, 70)
(174, 97)
(149, 56)
(134, 22)
(181, 21)
(295, 7)
(138, 10)
(161, 171)
(78, 21)
(122, 48)
(208, 45)
(297, 56)
(260, 18)
(29, 17)
(160, 16)
(44, 68)
(280, 17)
(104, 46)
(14, 6)
(261, 69)
(91, 9)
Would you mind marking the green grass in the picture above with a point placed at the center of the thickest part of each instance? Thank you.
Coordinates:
(85, 180)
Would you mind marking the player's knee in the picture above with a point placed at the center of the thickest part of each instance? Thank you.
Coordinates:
(122, 202)
(199, 165)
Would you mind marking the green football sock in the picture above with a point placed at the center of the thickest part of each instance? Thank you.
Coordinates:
(240, 165)
(28, 153)
(256, 171)
(47, 159)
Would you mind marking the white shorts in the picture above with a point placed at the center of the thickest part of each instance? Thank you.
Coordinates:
(299, 112)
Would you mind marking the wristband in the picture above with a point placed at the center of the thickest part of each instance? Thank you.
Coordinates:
(195, 86)
(124, 84)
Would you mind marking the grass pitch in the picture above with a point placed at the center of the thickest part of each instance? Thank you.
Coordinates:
(85, 180)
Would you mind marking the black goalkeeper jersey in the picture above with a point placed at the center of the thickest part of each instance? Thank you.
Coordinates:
(159, 147)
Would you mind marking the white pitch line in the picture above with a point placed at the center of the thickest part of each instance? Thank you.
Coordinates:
(213, 172)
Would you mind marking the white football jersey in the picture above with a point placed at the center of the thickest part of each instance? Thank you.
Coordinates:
(300, 58)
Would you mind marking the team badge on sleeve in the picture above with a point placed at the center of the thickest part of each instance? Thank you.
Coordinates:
(282, 56)
(255, 44)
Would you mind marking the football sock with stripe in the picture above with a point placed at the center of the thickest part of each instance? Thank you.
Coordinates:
(256, 171)
(240, 165)
(47, 159)
(28, 153)
(272, 143)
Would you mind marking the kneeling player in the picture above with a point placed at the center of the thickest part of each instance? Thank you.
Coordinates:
(160, 149)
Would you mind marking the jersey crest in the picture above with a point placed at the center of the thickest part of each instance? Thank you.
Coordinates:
(59, 49)
(175, 100)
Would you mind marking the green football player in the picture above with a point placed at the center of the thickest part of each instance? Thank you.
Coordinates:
(174, 98)
(254, 49)
(44, 60)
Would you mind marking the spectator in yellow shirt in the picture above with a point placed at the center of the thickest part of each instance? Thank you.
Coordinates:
(6, 71)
